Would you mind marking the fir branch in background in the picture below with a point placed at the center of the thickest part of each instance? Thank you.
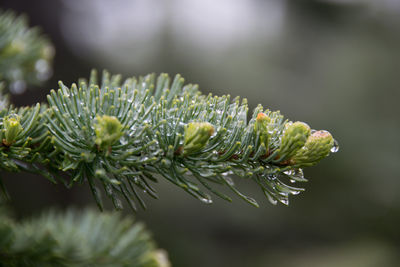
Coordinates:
(123, 135)
(25, 54)
(74, 238)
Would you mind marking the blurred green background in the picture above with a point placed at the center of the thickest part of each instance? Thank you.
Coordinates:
(333, 64)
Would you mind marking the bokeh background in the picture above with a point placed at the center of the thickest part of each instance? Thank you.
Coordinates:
(333, 64)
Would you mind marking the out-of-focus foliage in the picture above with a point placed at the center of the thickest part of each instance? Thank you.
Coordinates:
(73, 238)
(25, 54)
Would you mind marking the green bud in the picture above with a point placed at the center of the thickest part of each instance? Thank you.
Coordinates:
(197, 135)
(261, 126)
(317, 147)
(12, 128)
(293, 139)
(108, 130)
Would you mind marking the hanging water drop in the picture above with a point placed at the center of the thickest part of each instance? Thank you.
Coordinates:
(229, 181)
(272, 200)
(123, 140)
(335, 147)
(295, 192)
(284, 201)
(289, 172)
(206, 200)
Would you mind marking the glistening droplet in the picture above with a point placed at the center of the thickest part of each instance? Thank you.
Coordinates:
(335, 147)
(206, 200)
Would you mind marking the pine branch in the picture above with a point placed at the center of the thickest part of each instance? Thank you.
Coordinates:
(124, 135)
(78, 239)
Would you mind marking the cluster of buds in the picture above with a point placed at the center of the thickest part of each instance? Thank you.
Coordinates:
(299, 145)
(11, 128)
(197, 135)
(319, 144)
(108, 130)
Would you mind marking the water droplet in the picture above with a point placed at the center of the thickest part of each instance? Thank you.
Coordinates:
(229, 181)
(227, 173)
(284, 201)
(206, 200)
(335, 147)
(272, 200)
(289, 172)
(123, 140)
(206, 173)
(295, 192)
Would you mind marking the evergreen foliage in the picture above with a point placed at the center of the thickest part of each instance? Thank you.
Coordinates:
(73, 238)
(123, 134)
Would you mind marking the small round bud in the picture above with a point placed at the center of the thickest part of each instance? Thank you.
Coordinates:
(12, 128)
(261, 126)
(293, 139)
(108, 130)
(317, 147)
(197, 135)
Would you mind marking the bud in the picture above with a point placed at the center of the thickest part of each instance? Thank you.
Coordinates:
(12, 128)
(197, 135)
(108, 130)
(261, 126)
(317, 147)
(293, 139)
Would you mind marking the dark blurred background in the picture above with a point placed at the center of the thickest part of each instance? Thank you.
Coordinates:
(333, 64)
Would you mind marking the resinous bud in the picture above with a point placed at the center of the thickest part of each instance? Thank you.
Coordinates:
(317, 147)
(293, 139)
(197, 135)
(108, 130)
(261, 127)
(12, 128)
